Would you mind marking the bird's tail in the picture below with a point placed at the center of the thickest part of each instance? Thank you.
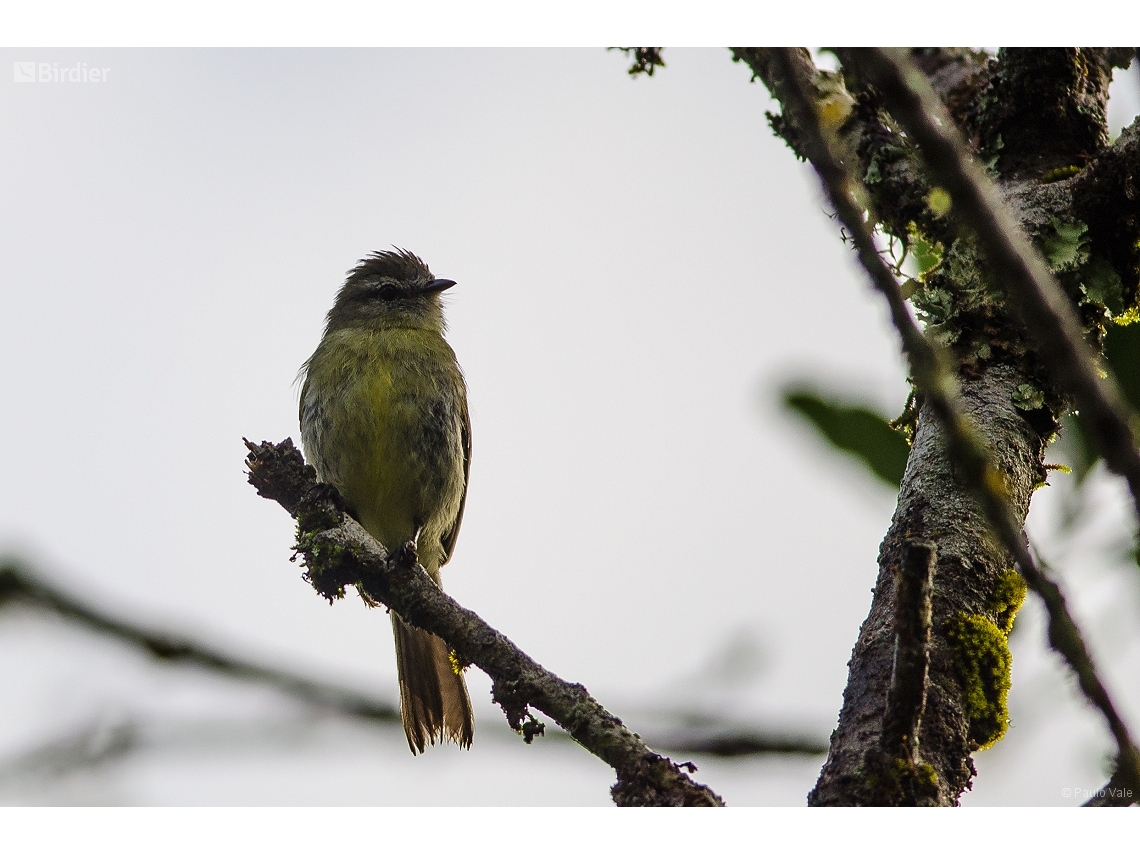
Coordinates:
(434, 703)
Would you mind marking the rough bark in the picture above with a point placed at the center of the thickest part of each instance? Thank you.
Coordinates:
(974, 602)
(933, 505)
(1014, 388)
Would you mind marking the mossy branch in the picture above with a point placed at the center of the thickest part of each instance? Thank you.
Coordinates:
(338, 553)
(933, 379)
(895, 182)
(1045, 309)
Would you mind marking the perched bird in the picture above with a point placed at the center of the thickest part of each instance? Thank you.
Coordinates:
(384, 420)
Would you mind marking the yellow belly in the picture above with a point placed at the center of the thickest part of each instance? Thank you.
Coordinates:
(382, 417)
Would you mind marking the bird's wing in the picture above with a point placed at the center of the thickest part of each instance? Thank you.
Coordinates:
(449, 536)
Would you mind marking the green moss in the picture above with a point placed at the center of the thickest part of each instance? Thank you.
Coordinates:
(1007, 599)
(884, 780)
(1059, 173)
(926, 775)
(982, 657)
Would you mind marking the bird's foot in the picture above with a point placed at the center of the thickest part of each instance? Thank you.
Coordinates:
(405, 555)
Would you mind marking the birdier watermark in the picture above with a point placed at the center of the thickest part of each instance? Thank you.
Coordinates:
(53, 72)
(1104, 792)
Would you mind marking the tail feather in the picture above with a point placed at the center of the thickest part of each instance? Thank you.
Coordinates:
(434, 703)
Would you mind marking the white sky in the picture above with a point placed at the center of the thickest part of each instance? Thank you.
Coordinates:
(641, 266)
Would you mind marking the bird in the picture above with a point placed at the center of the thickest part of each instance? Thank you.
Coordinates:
(384, 419)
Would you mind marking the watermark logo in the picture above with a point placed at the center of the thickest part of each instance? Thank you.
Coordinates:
(53, 72)
(1103, 793)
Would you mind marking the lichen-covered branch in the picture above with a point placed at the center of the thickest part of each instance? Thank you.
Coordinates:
(1003, 503)
(339, 553)
(1046, 310)
(871, 144)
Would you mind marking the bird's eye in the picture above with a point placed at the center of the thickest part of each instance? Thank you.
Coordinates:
(388, 292)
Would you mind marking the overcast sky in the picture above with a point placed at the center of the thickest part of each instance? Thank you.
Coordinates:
(641, 267)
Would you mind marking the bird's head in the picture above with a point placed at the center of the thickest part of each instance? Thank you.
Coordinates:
(388, 290)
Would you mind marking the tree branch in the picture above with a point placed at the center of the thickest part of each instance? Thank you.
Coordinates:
(338, 552)
(886, 159)
(1046, 311)
(964, 445)
(1116, 793)
(18, 585)
(950, 70)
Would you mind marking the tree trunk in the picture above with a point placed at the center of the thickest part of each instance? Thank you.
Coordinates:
(974, 579)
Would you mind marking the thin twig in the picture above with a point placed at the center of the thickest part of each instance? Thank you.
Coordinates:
(338, 552)
(19, 585)
(964, 445)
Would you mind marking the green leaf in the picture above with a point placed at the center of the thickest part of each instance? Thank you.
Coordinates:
(926, 255)
(1122, 351)
(1075, 444)
(855, 430)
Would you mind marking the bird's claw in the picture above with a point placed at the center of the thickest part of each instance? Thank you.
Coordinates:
(405, 554)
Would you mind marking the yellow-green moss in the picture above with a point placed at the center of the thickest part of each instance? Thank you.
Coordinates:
(1007, 599)
(983, 660)
(926, 776)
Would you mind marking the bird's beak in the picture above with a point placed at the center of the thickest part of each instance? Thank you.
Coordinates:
(437, 285)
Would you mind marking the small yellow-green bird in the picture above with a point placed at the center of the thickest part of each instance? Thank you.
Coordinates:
(384, 420)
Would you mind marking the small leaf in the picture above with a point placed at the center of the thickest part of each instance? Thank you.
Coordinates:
(856, 430)
(926, 255)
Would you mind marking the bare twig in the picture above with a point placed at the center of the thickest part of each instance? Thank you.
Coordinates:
(907, 697)
(19, 585)
(736, 742)
(963, 443)
(1048, 314)
(338, 552)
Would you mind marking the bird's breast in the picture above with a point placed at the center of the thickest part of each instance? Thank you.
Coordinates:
(382, 421)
